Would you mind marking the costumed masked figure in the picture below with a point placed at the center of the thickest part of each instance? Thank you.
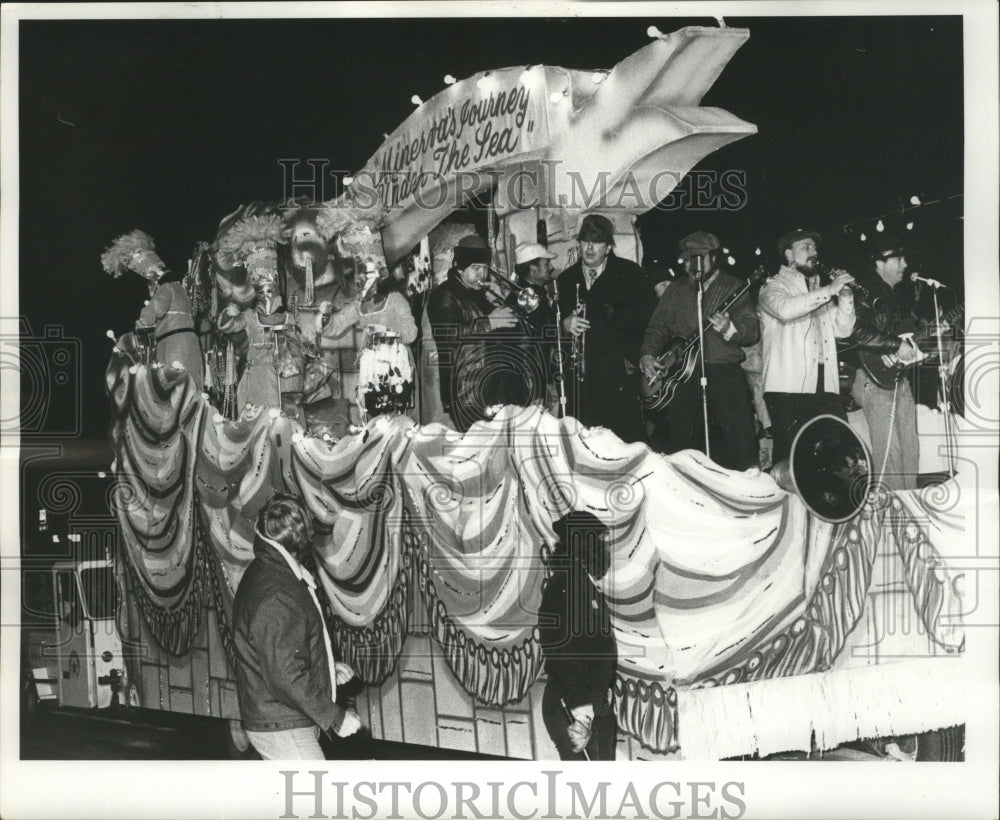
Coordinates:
(272, 373)
(385, 362)
(167, 314)
(329, 250)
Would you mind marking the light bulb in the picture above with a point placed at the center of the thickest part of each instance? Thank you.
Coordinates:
(415, 99)
(863, 237)
(598, 77)
(730, 260)
(756, 252)
(880, 226)
(909, 226)
(449, 79)
(653, 32)
(348, 181)
(914, 200)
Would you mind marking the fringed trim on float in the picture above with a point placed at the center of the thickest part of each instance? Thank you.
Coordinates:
(812, 641)
(495, 676)
(825, 709)
(647, 710)
(174, 628)
(934, 595)
(372, 651)
(223, 603)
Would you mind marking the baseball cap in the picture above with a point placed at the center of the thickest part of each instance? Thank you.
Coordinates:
(792, 237)
(886, 246)
(530, 251)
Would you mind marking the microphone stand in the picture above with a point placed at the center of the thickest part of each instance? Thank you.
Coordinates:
(562, 379)
(949, 422)
(701, 345)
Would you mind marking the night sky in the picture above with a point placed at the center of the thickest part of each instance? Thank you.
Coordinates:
(169, 126)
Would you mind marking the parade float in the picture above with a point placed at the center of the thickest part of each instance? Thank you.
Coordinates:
(746, 624)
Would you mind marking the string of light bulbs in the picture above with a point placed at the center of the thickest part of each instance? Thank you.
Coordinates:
(915, 203)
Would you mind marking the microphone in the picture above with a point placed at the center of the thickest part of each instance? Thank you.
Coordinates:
(934, 283)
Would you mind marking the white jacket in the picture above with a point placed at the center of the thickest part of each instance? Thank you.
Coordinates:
(799, 328)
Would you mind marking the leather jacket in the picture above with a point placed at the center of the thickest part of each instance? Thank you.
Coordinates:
(459, 318)
(881, 316)
(282, 672)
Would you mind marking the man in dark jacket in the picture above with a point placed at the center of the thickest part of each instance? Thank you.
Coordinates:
(534, 274)
(581, 655)
(618, 301)
(728, 393)
(286, 675)
(884, 315)
(475, 340)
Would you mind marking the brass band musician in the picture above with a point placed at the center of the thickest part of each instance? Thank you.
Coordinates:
(619, 301)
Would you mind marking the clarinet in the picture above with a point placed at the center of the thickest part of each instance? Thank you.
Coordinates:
(578, 351)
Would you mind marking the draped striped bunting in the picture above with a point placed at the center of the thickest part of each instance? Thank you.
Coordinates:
(717, 577)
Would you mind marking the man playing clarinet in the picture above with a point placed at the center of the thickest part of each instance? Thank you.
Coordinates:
(617, 301)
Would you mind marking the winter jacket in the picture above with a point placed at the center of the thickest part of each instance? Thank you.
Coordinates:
(282, 671)
(799, 329)
(581, 655)
(677, 315)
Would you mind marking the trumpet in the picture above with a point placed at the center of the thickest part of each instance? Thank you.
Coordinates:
(527, 299)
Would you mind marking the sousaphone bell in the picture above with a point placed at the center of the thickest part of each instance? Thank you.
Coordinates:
(829, 468)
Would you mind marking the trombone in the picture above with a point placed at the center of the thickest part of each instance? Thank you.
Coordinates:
(527, 299)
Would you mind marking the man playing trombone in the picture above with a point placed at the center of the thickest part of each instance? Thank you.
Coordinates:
(479, 360)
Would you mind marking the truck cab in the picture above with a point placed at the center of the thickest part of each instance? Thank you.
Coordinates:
(74, 650)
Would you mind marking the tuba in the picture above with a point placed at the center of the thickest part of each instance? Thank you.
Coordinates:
(829, 468)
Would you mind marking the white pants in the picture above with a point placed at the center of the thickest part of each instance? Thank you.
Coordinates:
(288, 744)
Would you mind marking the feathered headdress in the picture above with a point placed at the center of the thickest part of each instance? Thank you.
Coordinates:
(252, 242)
(133, 251)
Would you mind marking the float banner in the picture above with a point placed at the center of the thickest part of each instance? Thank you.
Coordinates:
(478, 123)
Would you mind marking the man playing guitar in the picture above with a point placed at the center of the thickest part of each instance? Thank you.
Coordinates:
(728, 396)
(883, 336)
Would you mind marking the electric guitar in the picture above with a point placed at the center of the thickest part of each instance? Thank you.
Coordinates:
(681, 356)
(885, 369)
